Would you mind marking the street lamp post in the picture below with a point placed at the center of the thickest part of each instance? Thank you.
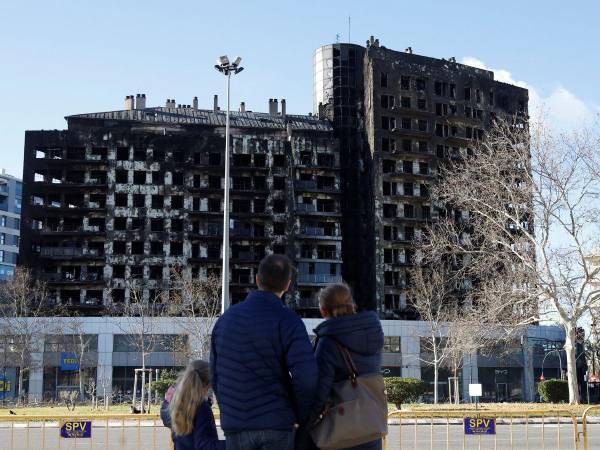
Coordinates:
(226, 68)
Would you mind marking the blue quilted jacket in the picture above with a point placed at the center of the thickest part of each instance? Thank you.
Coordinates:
(264, 373)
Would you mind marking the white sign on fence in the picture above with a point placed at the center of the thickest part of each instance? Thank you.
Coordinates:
(475, 390)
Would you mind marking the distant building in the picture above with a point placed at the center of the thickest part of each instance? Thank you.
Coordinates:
(10, 223)
(119, 198)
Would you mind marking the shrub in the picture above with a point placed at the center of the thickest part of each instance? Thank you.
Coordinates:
(553, 391)
(166, 380)
(403, 390)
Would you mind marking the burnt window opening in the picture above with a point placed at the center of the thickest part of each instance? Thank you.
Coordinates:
(385, 144)
(177, 178)
(119, 247)
(178, 156)
(388, 166)
(260, 160)
(325, 182)
(326, 160)
(405, 102)
(491, 98)
(139, 177)
(421, 104)
(77, 153)
(156, 248)
(158, 201)
(120, 223)
(259, 230)
(213, 251)
(75, 176)
(139, 154)
(136, 272)
(118, 295)
(424, 190)
(241, 160)
(409, 211)
(158, 155)
(122, 154)
(478, 95)
(214, 182)
(404, 83)
(421, 84)
(158, 178)
(214, 159)
(468, 132)
(279, 228)
(423, 146)
(279, 249)
(259, 205)
(177, 201)
(137, 224)
(278, 206)
(157, 225)
(452, 92)
(139, 200)
(389, 188)
(408, 189)
(96, 201)
(467, 93)
(385, 122)
(121, 176)
(426, 212)
(422, 125)
(278, 183)
(214, 205)
(240, 206)
(278, 160)
(407, 166)
(383, 80)
(390, 210)
(423, 168)
(176, 248)
(406, 123)
(118, 271)
(121, 200)
(137, 248)
(260, 183)
(242, 183)
(156, 273)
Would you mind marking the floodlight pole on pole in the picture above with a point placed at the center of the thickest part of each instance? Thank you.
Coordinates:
(225, 271)
(226, 68)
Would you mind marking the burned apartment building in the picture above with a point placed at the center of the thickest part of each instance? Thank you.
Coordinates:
(116, 201)
(398, 116)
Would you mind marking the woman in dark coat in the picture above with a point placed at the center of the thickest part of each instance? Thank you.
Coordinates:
(360, 333)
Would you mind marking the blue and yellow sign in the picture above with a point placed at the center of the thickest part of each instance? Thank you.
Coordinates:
(69, 361)
(480, 425)
(5, 386)
(73, 429)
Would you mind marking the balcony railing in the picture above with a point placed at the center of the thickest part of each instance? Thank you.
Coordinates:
(306, 303)
(70, 251)
(306, 184)
(306, 207)
(319, 278)
(313, 231)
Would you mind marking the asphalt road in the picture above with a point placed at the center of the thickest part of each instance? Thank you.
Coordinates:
(404, 437)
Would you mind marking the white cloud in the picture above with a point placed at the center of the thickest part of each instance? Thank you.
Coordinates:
(560, 106)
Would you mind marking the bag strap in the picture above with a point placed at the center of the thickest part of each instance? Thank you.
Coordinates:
(347, 357)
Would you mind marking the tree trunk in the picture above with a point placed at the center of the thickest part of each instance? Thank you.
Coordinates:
(81, 389)
(570, 349)
(436, 369)
(20, 387)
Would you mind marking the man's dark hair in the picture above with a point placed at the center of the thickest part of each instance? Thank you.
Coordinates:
(275, 271)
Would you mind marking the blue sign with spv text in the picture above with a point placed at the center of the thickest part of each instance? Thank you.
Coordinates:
(73, 429)
(69, 361)
(480, 425)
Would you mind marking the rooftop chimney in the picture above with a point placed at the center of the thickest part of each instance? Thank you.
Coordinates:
(273, 106)
(215, 103)
(195, 103)
(129, 102)
(140, 101)
(283, 108)
(409, 50)
(243, 107)
(288, 129)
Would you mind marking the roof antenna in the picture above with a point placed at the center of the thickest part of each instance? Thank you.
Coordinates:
(337, 38)
(348, 28)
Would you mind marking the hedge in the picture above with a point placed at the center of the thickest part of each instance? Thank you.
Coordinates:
(403, 390)
(553, 391)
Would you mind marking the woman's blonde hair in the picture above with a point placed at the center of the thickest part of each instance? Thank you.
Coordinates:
(336, 300)
(191, 390)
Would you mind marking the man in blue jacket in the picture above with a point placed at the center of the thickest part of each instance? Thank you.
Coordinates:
(264, 373)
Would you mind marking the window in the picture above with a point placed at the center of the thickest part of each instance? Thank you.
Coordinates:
(388, 166)
(406, 123)
(118, 271)
(157, 225)
(391, 344)
(2, 238)
(404, 83)
(136, 272)
(387, 101)
(121, 176)
(3, 221)
(177, 178)
(421, 83)
(156, 249)
(158, 201)
(214, 159)
(122, 154)
(278, 183)
(383, 81)
(422, 125)
(120, 224)
(422, 146)
(158, 178)
(260, 161)
(405, 102)
(279, 228)
(176, 225)
(177, 202)
(119, 247)
(139, 200)
(406, 145)
(139, 177)
(278, 160)
(137, 248)
(278, 206)
(467, 93)
(421, 104)
(176, 248)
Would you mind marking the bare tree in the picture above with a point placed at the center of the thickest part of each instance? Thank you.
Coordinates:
(76, 341)
(529, 199)
(22, 323)
(196, 303)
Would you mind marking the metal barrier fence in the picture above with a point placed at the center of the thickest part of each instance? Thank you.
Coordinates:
(108, 432)
(522, 430)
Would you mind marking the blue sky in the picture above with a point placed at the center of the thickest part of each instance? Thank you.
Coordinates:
(68, 57)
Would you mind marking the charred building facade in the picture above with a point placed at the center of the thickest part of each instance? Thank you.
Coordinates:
(119, 199)
(402, 114)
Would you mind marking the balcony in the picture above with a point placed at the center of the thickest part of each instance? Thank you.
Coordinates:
(306, 207)
(318, 278)
(306, 184)
(66, 252)
(307, 303)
